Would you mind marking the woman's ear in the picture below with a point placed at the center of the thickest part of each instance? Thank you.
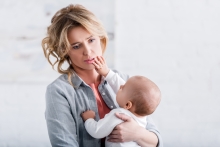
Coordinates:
(128, 105)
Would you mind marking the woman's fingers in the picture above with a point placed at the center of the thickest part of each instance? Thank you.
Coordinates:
(114, 140)
(115, 131)
(114, 137)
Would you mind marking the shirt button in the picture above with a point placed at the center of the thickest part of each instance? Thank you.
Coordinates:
(111, 106)
(103, 93)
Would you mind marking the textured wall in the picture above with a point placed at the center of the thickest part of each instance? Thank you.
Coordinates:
(176, 44)
(25, 73)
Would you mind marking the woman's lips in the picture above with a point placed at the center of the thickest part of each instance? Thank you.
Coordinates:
(89, 61)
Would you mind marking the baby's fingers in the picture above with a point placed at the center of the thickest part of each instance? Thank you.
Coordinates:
(98, 62)
(101, 60)
(95, 64)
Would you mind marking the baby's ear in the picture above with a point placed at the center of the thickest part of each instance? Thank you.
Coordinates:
(128, 105)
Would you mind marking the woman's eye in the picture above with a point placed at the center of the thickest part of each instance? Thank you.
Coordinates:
(76, 47)
(91, 40)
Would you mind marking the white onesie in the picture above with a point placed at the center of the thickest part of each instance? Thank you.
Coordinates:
(104, 126)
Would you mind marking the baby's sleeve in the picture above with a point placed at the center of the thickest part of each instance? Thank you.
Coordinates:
(103, 127)
(114, 80)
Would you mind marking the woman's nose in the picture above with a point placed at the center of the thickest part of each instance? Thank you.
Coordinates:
(87, 50)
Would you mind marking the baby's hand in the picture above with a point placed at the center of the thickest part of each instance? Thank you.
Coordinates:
(88, 114)
(100, 66)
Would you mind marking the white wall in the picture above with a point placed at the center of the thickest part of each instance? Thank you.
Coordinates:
(25, 73)
(176, 44)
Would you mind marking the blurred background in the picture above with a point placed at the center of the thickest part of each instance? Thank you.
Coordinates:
(175, 43)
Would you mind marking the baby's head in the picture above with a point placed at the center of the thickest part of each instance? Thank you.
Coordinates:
(139, 95)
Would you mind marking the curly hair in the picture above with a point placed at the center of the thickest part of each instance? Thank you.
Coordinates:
(57, 45)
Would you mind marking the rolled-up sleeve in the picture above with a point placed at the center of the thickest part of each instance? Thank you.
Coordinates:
(152, 128)
(60, 123)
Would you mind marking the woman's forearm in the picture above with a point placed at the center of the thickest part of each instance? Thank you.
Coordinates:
(131, 131)
(146, 138)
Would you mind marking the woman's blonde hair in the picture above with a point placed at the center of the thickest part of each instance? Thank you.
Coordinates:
(56, 43)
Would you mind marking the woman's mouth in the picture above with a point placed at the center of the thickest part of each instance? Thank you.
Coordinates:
(89, 61)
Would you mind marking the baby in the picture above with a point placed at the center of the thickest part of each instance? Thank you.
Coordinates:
(137, 98)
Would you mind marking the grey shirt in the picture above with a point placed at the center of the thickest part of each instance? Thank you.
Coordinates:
(65, 103)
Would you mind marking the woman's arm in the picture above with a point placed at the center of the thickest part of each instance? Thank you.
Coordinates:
(60, 123)
(152, 128)
(131, 131)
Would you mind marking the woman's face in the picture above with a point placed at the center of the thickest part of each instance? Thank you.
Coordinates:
(84, 48)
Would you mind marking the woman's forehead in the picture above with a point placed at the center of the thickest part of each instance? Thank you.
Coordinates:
(78, 34)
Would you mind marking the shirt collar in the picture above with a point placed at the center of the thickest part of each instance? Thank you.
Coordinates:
(77, 81)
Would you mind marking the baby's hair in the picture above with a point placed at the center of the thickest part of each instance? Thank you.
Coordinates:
(145, 95)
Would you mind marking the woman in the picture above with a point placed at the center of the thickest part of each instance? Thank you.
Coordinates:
(77, 37)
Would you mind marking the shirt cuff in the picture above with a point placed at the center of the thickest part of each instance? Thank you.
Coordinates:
(109, 75)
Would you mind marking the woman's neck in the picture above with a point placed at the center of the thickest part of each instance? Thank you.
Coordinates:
(89, 76)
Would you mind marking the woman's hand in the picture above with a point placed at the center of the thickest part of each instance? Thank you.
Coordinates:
(88, 114)
(126, 131)
(101, 66)
(129, 130)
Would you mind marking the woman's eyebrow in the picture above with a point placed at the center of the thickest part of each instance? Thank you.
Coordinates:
(89, 37)
(79, 42)
(74, 43)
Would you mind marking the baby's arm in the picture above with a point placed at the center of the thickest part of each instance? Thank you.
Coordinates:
(114, 80)
(103, 127)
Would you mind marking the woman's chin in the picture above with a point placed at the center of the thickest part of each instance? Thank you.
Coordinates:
(90, 67)
(85, 67)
